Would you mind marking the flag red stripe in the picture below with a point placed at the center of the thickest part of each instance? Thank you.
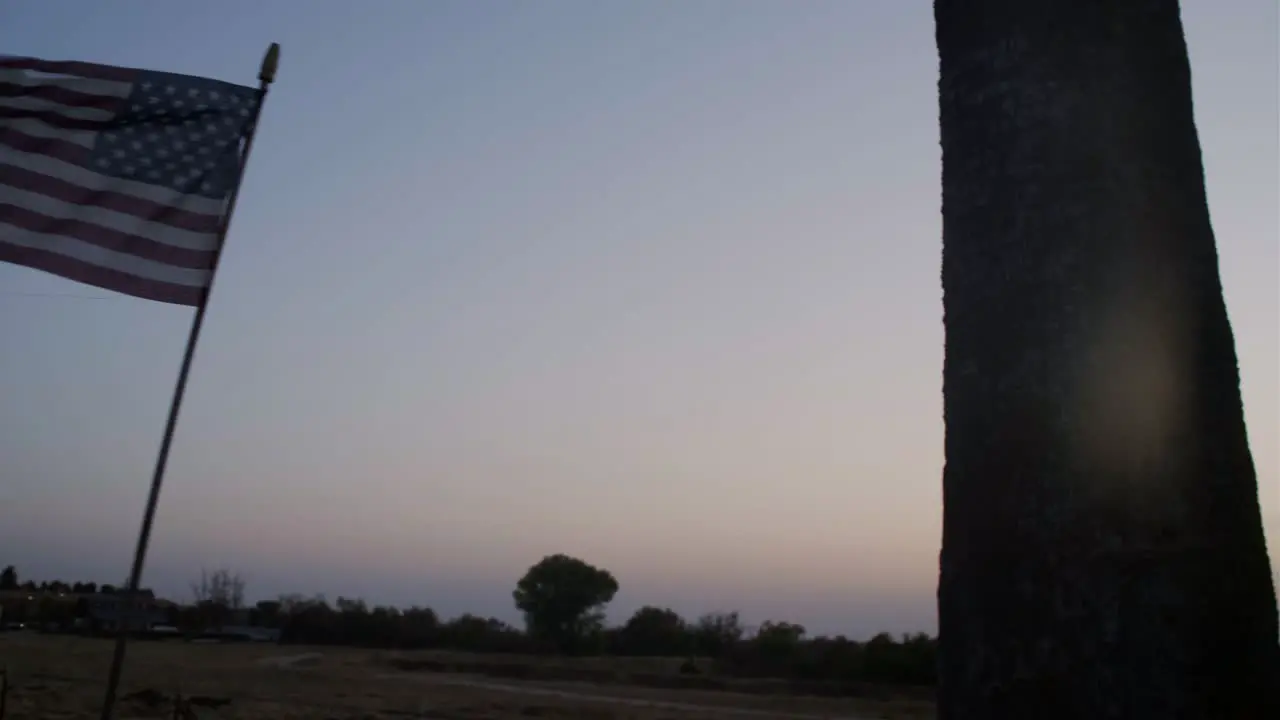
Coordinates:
(61, 149)
(99, 276)
(121, 203)
(106, 238)
(82, 69)
(54, 119)
(60, 95)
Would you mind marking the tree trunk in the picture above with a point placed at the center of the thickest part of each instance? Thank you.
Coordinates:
(1103, 553)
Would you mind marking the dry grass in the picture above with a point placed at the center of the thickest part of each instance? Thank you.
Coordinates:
(63, 678)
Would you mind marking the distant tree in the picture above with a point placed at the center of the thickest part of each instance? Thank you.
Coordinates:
(777, 649)
(879, 656)
(472, 632)
(419, 627)
(716, 633)
(831, 658)
(55, 614)
(563, 599)
(294, 603)
(351, 605)
(267, 613)
(309, 620)
(220, 587)
(216, 595)
(9, 578)
(779, 641)
(654, 631)
(80, 609)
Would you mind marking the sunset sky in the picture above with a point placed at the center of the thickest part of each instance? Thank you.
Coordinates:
(652, 283)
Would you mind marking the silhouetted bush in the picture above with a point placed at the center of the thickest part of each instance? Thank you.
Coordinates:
(830, 666)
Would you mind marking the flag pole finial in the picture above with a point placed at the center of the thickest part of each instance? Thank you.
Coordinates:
(269, 63)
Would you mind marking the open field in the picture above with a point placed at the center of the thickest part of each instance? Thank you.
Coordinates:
(58, 677)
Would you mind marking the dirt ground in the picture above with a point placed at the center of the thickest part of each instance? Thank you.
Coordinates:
(55, 677)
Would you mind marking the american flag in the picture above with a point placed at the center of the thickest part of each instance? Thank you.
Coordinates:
(117, 177)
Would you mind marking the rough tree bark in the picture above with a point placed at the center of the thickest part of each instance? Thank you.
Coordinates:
(1103, 553)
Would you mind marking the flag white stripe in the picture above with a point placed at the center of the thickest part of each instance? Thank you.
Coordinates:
(86, 86)
(35, 104)
(103, 258)
(41, 129)
(86, 178)
(120, 222)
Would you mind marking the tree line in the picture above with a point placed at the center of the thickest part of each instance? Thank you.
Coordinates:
(562, 599)
(9, 582)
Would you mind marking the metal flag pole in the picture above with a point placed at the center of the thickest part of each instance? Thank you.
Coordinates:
(265, 76)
